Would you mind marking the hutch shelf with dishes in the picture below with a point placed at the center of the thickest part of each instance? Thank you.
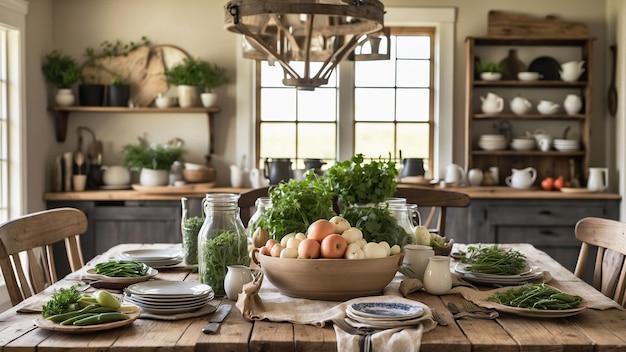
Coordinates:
(61, 115)
(521, 54)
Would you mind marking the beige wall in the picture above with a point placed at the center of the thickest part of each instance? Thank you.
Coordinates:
(197, 27)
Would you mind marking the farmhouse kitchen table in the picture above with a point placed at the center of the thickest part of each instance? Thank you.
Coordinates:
(591, 330)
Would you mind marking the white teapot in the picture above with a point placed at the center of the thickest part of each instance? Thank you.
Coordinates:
(547, 107)
(570, 71)
(522, 178)
(492, 104)
(520, 106)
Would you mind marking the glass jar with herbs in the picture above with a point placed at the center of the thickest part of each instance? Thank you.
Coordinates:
(222, 240)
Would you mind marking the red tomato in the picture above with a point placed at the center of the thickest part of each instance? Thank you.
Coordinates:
(559, 183)
(547, 184)
(334, 246)
(309, 249)
(320, 229)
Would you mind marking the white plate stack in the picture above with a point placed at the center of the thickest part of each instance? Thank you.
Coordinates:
(155, 258)
(168, 297)
(492, 142)
(566, 145)
(527, 275)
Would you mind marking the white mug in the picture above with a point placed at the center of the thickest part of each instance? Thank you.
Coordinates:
(545, 144)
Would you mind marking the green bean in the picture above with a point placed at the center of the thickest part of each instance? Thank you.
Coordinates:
(101, 318)
(536, 296)
(495, 260)
(121, 268)
(70, 321)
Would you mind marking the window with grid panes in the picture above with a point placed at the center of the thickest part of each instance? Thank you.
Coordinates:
(391, 114)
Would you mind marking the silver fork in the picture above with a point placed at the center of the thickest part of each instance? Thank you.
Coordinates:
(437, 318)
(473, 308)
(365, 339)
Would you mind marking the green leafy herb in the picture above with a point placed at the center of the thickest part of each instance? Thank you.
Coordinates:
(377, 224)
(536, 296)
(295, 205)
(228, 248)
(63, 300)
(356, 182)
(495, 260)
(191, 228)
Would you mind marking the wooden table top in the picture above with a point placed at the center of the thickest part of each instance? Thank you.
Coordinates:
(591, 330)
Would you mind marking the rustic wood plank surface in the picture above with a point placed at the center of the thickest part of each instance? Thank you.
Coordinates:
(592, 330)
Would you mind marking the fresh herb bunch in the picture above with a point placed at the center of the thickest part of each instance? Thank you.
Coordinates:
(536, 296)
(295, 205)
(60, 69)
(228, 248)
(377, 224)
(155, 157)
(495, 260)
(355, 182)
(64, 300)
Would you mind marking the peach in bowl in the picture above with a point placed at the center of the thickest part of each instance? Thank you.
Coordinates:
(329, 279)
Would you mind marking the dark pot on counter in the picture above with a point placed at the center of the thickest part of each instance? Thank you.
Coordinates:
(278, 170)
(412, 167)
(315, 164)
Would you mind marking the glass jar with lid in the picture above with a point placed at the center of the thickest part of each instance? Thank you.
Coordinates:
(222, 240)
(261, 205)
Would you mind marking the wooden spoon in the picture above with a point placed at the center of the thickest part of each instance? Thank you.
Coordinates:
(612, 96)
(79, 159)
(573, 180)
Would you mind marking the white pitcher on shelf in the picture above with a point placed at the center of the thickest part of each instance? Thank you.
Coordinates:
(522, 178)
(570, 71)
(572, 104)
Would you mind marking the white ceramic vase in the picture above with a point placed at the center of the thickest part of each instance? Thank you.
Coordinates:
(572, 104)
(64, 97)
(187, 96)
(236, 277)
(153, 178)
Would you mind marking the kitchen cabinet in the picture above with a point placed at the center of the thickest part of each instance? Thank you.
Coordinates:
(61, 115)
(530, 50)
(548, 224)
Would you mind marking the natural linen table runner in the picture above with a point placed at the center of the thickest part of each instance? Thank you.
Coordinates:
(261, 300)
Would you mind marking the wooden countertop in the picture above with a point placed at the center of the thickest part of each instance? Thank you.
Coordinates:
(473, 192)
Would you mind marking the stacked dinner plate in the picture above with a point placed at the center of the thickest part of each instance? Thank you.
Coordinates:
(527, 275)
(155, 258)
(383, 315)
(168, 297)
(492, 142)
(566, 145)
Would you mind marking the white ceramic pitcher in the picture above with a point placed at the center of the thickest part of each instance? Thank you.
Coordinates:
(520, 106)
(598, 179)
(570, 71)
(455, 175)
(572, 104)
(522, 178)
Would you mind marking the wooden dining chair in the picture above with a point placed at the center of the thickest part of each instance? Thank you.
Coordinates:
(608, 237)
(435, 201)
(247, 200)
(35, 234)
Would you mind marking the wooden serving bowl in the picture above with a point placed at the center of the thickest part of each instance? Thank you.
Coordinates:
(329, 279)
(199, 175)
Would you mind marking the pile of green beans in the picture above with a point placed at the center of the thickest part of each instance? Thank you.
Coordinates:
(495, 260)
(536, 296)
(121, 268)
(91, 315)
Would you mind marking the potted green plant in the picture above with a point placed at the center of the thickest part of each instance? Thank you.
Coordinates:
(119, 90)
(489, 71)
(213, 76)
(63, 71)
(188, 77)
(154, 161)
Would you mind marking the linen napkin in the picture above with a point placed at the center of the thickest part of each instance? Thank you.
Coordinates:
(261, 300)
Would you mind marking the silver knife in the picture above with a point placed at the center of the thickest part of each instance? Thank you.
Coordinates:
(217, 317)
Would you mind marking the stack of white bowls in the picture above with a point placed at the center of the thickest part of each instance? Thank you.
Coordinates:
(566, 145)
(492, 142)
(523, 143)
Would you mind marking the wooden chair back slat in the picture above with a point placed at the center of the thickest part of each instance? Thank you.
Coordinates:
(609, 237)
(35, 234)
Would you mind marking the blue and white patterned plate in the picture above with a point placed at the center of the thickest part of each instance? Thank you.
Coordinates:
(386, 310)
